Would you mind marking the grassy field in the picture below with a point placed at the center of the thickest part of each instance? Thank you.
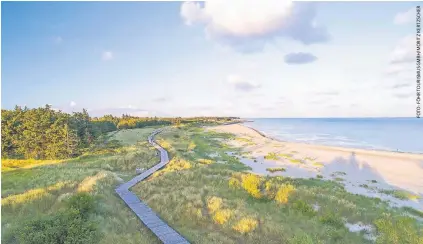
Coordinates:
(203, 193)
(37, 196)
(210, 198)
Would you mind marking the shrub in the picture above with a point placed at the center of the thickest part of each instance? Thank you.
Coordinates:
(245, 225)
(283, 193)
(270, 189)
(234, 183)
(205, 161)
(214, 203)
(71, 225)
(222, 216)
(251, 183)
(319, 176)
(83, 203)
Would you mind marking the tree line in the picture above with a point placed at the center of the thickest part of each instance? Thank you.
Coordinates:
(44, 133)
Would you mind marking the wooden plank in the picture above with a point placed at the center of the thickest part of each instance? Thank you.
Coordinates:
(160, 228)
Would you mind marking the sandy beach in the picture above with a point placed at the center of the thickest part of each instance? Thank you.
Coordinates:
(366, 172)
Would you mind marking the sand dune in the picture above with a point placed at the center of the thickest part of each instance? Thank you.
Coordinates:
(365, 172)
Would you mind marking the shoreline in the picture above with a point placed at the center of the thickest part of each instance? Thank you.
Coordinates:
(365, 172)
(328, 147)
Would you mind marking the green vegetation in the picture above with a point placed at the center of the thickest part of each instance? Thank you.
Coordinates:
(221, 203)
(276, 169)
(44, 133)
(35, 199)
(413, 211)
(271, 156)
(317, 164)
(296, 161)
(374, 181)
(401, 194)
(398, 230)
(247, 141)
(207, 199)
(70, 225)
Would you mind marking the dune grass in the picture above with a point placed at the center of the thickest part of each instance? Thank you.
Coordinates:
(36, 193)
(272, 170)
(206, 199)
(317, 164)
(401, 194)
(222, 203)
(271, 156)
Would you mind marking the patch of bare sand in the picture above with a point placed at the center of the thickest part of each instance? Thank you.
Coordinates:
(365, 172)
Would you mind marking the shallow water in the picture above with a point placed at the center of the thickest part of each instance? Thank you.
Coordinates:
(390, 134)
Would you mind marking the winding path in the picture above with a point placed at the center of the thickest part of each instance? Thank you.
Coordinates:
(161, 229)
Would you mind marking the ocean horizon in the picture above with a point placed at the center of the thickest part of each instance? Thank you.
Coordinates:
(398, 134)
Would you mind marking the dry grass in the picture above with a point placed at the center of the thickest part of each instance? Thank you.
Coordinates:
(251, 183)
(14, 164)
(40, 188)
(207, 203)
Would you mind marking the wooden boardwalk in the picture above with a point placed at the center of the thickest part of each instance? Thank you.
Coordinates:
(150, 219)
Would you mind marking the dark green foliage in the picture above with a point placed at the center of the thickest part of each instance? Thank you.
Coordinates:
(44, 133)
(83, 203)
(71, 225)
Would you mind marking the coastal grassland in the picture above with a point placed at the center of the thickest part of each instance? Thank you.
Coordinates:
(220, 202)
(132, 136)
(38, 197)
(401, 194)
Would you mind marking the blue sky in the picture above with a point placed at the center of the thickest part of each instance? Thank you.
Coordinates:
(226, 58)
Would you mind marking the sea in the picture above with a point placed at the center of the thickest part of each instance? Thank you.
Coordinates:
(386, 134)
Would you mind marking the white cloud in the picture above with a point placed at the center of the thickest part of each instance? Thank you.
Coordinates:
(72, 104)
(240, 84)
(394, 69)
(402, 57)
(247, 25)
(405, 17)
(107, 55)
(405, 51)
